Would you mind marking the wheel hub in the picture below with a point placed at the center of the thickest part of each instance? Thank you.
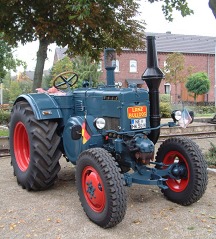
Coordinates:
(93, 189)
(90, 189)
(179, 170)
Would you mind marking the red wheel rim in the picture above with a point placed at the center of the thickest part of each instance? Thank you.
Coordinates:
(21, 146)
(180, 184)
(93, 189)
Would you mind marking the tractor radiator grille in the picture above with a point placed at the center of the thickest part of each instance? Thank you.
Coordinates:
(79, 105)
(112, 123)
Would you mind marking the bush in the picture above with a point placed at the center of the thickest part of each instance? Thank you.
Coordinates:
(4, 117)
(165, 109)
(198, 110)
(165, 105)
(205, 109)
(165, 98)
(211, 156)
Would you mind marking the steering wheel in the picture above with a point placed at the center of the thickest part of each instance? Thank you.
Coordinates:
(66, 80)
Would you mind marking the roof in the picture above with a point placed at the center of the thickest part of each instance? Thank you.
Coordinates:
(167, 42)
(59, 53)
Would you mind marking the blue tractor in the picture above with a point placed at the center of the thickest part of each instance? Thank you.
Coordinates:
(109, 133)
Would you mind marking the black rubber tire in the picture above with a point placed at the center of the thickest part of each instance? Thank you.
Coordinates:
(41, 162)
(111, 186)
(190, 154)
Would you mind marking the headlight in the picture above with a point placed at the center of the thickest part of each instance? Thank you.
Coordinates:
(176, 115)
(100, 123)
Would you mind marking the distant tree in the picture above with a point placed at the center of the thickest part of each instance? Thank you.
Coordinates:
(7, 60)
(198, 84)
(46, 81)
(13, 87)
(14, 91)
(86, 70)
(83, 66)
(82, 25)
(174, 70)
(6, 87)
(26, 86)
(65, 64)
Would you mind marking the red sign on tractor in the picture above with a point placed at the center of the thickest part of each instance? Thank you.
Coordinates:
(137, 112)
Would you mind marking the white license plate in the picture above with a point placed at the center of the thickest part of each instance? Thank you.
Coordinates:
(138, 123)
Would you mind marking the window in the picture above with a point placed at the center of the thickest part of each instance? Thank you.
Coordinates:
(133, 66)
(117, 66)
(166, 68)
(167, 88)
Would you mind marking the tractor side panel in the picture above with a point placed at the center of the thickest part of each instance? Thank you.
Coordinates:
(89, 137)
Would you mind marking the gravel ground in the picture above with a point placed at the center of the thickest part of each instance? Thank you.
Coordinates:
(56, 213)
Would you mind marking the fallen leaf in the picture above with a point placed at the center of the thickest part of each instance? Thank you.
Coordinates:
(12, 226)
(137, 221)
(191, 228)
(212, 217)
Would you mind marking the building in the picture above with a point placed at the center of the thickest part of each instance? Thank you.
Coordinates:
(199, 52)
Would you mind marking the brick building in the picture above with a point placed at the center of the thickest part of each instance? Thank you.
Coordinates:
(199, 52)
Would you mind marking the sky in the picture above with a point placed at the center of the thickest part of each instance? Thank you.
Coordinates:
(202, 23)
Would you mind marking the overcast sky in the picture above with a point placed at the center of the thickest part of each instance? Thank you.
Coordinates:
(202, 23)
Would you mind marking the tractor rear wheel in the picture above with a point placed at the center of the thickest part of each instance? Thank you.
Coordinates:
(34, 147)
(190, 187)
(101, 187)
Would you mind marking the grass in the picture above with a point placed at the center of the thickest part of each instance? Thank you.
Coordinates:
(205, 115)
(211, 156)
(4, 132)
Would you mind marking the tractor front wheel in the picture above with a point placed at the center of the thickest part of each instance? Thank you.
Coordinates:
(101, 187)
(34, 147)
(191, 184)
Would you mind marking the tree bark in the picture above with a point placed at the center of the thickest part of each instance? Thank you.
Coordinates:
(41, 57)
(212, 5)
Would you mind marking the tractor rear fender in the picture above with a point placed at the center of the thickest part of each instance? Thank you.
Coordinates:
(43, 105)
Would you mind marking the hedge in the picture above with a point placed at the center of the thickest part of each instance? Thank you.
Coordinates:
(4, 117)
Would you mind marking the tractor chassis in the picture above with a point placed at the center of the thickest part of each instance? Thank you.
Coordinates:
(154, 176)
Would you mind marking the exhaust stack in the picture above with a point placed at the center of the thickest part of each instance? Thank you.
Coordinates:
(110, 65)
(153, 76)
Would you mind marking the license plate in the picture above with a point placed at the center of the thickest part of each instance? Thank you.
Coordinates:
(137, 112)
(138, 123)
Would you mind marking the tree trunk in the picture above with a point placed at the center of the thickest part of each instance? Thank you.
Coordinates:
(41, 57)
(212, 5)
